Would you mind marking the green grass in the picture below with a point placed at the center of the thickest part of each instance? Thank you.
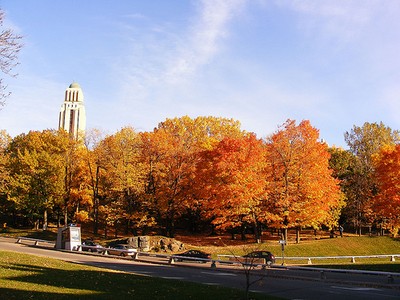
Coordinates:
(347, 246)
(32, 277)
(352, 246)
(31, 233)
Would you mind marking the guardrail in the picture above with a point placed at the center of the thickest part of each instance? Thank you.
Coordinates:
(324, 271)
(36, 242)
(105, 251)
(352, 258)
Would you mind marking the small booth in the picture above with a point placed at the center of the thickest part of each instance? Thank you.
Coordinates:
(69, 237)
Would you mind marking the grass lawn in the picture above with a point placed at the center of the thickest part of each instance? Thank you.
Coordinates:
(32, 277)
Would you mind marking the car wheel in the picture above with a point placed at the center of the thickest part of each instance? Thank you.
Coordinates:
(90, 250)
(122, 254)
(269, 263)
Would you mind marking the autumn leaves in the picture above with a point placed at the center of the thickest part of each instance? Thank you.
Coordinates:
(194, 173)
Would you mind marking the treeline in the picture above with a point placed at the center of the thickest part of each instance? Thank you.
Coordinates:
(201, 174)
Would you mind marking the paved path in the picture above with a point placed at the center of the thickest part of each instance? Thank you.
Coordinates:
(279, 282)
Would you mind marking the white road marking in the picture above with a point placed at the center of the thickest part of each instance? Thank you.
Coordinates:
(355, 288)
(219, 274)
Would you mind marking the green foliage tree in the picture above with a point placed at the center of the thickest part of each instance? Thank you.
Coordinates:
(364, 142)
(37, 166)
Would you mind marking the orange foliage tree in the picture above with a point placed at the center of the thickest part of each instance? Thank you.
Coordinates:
(171, 153)
(300, 185)
(386, 204)
(231, 178)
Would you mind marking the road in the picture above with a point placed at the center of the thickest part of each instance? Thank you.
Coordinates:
(289, 284)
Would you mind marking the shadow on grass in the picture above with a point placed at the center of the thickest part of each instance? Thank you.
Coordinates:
(9, 293)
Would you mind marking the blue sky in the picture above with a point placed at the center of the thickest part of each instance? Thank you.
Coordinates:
(333, 62)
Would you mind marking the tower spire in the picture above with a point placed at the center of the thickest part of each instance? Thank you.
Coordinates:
(72, 116)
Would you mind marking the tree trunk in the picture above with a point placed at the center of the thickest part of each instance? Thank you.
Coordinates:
(243, 232)
(45, 220)
(297, 235)
(284, 234)
(37, 222)
(65, 216)
(257, 232)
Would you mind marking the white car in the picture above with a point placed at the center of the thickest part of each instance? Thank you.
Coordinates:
(122, 250)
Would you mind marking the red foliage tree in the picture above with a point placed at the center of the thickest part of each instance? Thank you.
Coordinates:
(233, 176)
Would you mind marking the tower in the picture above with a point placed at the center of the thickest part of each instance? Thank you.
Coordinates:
(72, 114)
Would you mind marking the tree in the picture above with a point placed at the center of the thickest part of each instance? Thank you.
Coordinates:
(78, 200)
(386, 203)
(170, 153)
(301, 188)
(124, 175)
(94, 163)
(37, 169)
(344, 165)
(231, 177)
(364, 142)
(5, 205)
(4, 174)
(10, 46)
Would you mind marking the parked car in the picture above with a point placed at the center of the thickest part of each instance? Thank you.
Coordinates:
(192, 254)
(122, 250)
(91, 246)
(268, 256)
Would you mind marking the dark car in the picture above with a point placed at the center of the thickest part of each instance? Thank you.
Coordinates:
(268, 256)
(122, 250)
(91, 246)
(188, 255)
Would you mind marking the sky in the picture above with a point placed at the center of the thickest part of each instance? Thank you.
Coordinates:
(261, 62)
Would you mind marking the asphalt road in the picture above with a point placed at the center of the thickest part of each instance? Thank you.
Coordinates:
(289, 284)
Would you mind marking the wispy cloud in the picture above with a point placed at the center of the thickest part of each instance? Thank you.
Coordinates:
(342, 19)
(165, 61)
(204, 39)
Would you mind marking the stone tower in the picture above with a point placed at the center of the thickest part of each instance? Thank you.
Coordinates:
(72, 114)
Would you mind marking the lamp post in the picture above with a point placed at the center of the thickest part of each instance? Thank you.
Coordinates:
(283, 243)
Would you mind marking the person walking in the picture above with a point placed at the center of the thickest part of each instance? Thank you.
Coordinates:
(341, 230)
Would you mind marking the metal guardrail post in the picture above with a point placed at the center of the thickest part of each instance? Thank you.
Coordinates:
(392, 258)
(171, 260)
(353, 260)
(213, 265)
(322, 275)
(309, 262)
